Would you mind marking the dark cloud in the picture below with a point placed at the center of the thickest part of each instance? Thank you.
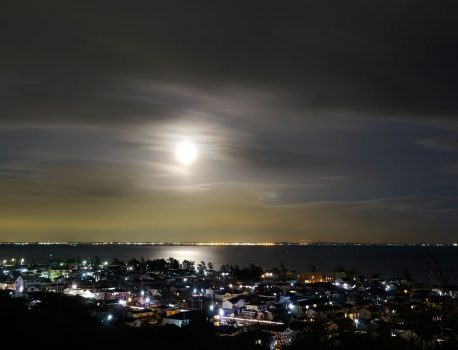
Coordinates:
(441, 144)
(451, 168)
(62, 61)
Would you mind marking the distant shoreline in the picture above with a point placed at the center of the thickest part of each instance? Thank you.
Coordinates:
(257, 244)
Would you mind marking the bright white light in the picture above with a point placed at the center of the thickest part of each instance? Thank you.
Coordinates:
(122, 302)
(211, 307)
(186, 153)
(147, 300)
(221, 312)
(291, 306)
(109, 317)
(88, 294)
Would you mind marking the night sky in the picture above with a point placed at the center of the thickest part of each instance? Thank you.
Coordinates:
(312, 120)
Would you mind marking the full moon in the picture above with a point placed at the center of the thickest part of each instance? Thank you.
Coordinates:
(186, 153)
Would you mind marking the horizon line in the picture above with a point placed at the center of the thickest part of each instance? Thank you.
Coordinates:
(198, 243)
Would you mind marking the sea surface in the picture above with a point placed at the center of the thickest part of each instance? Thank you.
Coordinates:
(388, 261)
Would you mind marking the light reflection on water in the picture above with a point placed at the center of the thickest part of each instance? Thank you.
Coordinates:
(181, 254)
(389, 261)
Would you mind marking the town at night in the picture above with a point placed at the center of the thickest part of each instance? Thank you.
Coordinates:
(223, 174)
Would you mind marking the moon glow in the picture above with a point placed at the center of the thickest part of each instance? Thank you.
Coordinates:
(186, 153)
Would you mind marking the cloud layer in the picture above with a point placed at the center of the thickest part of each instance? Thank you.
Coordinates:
(312, 121)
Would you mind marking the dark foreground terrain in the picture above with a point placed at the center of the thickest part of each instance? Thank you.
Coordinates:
(59, 320)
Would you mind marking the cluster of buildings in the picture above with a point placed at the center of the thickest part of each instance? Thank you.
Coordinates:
(280, 305)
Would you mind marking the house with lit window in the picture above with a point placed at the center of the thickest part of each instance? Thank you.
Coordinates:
(179, 319)
(184, 318)
(233, 305)
(27, 283)
(138, 313)
(315, 277)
